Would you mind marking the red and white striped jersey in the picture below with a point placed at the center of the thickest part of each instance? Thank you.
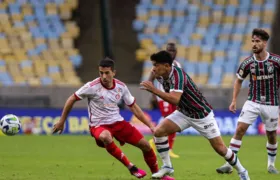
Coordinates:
(103, 102)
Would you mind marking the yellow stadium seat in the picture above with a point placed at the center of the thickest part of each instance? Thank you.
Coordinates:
(27, 9)
(202, 79)
(193, 53)
(255, 13)
(16, 17)
(154, 12)
(229, 19)
(51, 9)
(19, 79)
(220, 2)
(144, 43)
(204, 21)
(224, 36)
(72, 3)
(149, 30)
(163, 30)
(227, 80)
(3, 5)
(38, 41)
(267, 16)
(33, 81)
(242, 19)
(181, 51)
(158, 2)
(196, 36)
(167, 13)
(65, 11)
(206, 57)
(179, 13)
(233, 2)
(67, 43)
(142, 17)
(260, 2)
(141, 55)
(237, 37)
(219, 54)
(217, 16)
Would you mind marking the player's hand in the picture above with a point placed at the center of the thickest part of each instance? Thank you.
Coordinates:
(58, 127)
(232, 107)
(152, 129)
(147, 85)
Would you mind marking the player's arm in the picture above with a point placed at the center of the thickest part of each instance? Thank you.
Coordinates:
(241, 74)
(83, 92)
(173, 97)
(137, 111)
(236, 89)
(59, 126)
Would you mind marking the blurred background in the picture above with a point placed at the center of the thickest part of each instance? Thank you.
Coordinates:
(49, 48)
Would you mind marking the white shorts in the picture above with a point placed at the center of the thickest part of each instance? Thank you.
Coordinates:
(207, 126)
(269, 114)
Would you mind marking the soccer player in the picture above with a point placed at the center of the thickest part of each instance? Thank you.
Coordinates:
(165, 107)
(105, 122)
(192, 111)
(263, 68)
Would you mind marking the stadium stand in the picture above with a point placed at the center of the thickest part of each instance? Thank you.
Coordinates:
(212, 36)
(37, 43)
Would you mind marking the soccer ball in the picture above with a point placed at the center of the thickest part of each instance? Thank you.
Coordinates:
(10, 124)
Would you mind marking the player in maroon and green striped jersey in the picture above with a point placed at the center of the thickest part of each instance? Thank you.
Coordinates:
(264, 71)
(192, 111)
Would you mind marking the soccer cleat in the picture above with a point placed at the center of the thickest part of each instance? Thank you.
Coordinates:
(167, 178)
(139, 173)
(172, 154)
(225, 169)
(165, 170)
(153, 146)
(244, 175)
(272, 170)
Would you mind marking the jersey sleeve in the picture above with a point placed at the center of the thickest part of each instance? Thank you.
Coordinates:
(84, 91)
(128, 98)
(242, 71)
(178, 81)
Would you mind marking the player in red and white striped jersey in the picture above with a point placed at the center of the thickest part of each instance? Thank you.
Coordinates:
(105, 123)
(165, 107)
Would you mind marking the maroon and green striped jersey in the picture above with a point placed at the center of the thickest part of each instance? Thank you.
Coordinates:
(192, 102)
(264, 78)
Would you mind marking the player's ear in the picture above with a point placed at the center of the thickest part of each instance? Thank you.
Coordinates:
(114, 72)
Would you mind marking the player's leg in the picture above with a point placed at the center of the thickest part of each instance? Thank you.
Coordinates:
(208, 127)
(104, 139)
(173, 123)
(171, 140)
(270, 117)
(248, 115)
(218, 145)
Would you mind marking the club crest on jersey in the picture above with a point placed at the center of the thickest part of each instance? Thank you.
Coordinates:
(117, 96)
(270, 67)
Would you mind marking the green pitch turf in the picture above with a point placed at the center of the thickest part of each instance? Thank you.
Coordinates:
(78, 158)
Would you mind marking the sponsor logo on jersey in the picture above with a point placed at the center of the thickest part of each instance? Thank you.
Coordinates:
(263, 77)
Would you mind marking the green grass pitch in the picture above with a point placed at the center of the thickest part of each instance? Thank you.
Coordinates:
(78, 158)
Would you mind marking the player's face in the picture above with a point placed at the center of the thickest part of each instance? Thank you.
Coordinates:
(160, 69)
(172, 50)
(258, 45)
(106, 75)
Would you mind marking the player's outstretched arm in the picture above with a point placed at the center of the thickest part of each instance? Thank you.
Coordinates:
(59, 126)
(172, 97)
(137, 111)
(151, 77)
(236, 90)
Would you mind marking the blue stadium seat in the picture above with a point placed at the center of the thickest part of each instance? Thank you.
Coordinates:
(46, 80)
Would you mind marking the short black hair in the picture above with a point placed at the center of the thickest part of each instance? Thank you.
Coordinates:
(162, 57)
(260, 33)
(107, 62)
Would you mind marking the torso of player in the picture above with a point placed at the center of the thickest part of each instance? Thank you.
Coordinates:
(103, 102)
(192, 102)
(264, 78)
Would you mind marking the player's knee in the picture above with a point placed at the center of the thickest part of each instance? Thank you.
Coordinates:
(144, 145)
(159, 132)
(105, 137)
